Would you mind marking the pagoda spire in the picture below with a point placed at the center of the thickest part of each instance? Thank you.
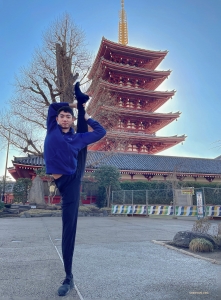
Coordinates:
(123, 32)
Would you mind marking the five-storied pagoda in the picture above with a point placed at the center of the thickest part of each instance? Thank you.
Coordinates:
(124, 97)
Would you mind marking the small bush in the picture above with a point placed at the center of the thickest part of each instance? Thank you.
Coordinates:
(108, 209)
(92, 208)
(201, 245)
(84, 209)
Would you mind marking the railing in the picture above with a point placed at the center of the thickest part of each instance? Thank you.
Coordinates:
(165, 210)
(140, 202)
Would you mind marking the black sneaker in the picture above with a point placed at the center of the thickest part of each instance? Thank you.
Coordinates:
(67, 285)
(81, 97)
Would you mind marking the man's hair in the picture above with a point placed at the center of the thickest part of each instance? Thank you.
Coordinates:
(66, 109)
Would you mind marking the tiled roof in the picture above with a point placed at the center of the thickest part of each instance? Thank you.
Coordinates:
(156, 163)
(141, 162)
(30, 160)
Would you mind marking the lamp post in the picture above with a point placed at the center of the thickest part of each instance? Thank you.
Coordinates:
(6, 164)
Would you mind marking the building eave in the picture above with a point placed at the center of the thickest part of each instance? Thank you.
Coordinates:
(134, 51)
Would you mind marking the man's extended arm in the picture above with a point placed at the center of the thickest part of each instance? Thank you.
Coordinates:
(94, 136)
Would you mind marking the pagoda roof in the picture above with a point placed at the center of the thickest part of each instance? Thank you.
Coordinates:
(156, 120)
(141, 137)
(127, 90)
(107, 46)
(133, 69)
(139, 163)
(157, 98)
(143, 113)
(155, 143)
(155, 77)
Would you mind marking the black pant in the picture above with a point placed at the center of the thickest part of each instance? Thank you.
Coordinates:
(69, 188)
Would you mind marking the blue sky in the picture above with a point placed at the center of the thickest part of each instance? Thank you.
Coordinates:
(188, 29)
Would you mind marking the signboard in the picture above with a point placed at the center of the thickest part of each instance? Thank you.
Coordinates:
(187, 191)
(199, 203)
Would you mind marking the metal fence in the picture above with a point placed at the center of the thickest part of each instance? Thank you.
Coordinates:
(178, 202)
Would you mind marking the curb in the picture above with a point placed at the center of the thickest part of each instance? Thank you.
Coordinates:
(213, 261)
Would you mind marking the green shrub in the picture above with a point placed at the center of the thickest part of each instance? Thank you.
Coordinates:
(161, 192)
(1, 205)
(201, 245)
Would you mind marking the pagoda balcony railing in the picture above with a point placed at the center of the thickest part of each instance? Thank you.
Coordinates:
(130, 130)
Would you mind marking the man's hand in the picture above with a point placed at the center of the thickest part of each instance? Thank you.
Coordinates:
(86, 116)
(73, 105)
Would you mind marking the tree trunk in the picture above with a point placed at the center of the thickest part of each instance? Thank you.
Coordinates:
(108, 190)
(65, 78)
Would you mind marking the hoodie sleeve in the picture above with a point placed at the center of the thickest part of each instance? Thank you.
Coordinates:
(52, 114)
(94, 136)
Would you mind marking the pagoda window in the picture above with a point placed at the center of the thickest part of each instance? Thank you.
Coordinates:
(143, 149)
(131, 125)
(120, 124)
(132, 148)
(129, 83)
(128, 103)
(141, 126)
(131, 104)
(120, 148)
(120, 102)
(139, 105)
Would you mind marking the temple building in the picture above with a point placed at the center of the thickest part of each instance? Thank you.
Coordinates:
(125, 100)
(123, 87)
(134, 166)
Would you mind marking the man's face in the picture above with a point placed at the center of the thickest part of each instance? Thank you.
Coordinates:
(65, 120)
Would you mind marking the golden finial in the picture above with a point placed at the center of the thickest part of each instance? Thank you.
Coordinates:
(123, 33)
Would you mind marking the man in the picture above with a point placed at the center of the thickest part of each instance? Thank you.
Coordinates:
(65, 157)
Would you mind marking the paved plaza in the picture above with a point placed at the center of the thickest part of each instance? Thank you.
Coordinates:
(115, 258)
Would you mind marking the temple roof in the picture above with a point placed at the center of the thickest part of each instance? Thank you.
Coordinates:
(107, 47)
(152, 122)
(145, 137)
(155, 163)
(152, 78)
(134, 70)
(140, 162)
(127, 91)
(156, 98)
(141, 113)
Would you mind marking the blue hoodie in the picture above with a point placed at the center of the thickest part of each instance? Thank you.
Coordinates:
(61, 149)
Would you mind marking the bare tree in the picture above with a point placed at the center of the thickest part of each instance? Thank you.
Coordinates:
(49, 78)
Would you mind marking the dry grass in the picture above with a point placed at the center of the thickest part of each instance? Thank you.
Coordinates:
(201, 245)
(202, 225)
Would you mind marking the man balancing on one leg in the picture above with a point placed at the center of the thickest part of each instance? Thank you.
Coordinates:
(65, 157)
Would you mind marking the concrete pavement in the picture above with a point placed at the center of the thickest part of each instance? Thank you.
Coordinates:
(114, 259)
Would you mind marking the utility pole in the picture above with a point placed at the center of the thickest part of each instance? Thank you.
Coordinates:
(6, 164)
